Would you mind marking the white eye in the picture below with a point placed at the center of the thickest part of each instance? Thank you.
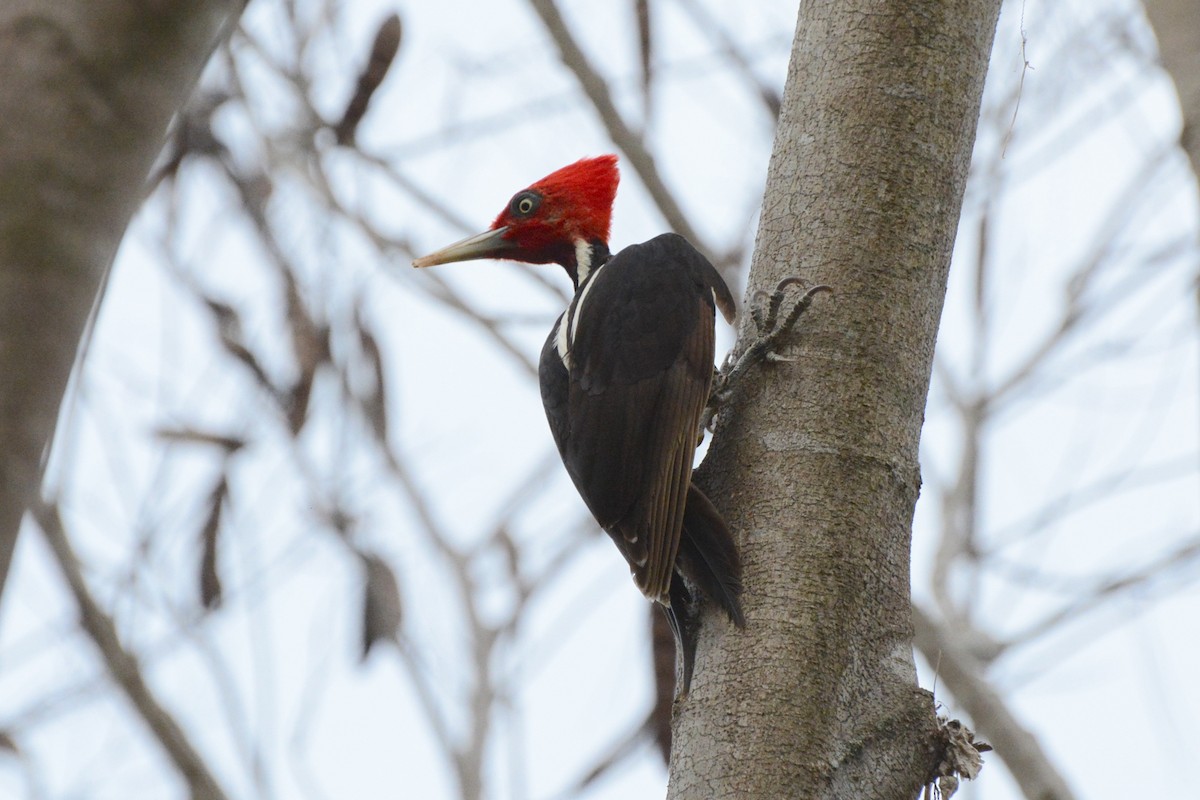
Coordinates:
(525, 203)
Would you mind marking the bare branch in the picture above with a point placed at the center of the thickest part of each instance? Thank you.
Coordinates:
(1080, 498)
(1028, 763)
(383, 50)
(712, 28)
(381, 609)
(646, 52)
(122, 665)
(1184, 556)
(623, 136)
(1075, 308)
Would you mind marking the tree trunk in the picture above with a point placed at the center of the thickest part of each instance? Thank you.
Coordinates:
(87, 88)
(1176, 25)
(814, 463)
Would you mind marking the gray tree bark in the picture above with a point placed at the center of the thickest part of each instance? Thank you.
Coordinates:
(814, 465)
(87, 89)
(1176, 24)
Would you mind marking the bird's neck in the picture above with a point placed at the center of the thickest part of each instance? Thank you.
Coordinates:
(588, 256)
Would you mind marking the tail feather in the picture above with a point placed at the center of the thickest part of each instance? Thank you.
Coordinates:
(684, 617)
(708, 564)
(708, 556)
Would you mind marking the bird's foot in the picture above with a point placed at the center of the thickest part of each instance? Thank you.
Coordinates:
(770, 327)
(764, 311)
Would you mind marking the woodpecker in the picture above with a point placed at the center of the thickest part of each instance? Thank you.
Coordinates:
(625, 376)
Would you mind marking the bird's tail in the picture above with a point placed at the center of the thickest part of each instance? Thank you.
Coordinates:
(709, 557)
(709, 562)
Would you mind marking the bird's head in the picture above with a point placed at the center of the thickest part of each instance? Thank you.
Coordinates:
(565, 214)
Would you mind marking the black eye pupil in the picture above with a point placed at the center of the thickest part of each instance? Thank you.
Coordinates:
(526, 205)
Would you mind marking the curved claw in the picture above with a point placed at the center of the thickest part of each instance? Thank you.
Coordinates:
(764, 311)
(790, 280)
(804, 302)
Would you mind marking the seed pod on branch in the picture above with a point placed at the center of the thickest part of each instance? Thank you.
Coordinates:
(383, 52)
(381, 603)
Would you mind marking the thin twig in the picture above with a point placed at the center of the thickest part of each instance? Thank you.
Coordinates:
(1184, 556)
(383, 51)
(1075, 310)
(1025, 67)
(729, 48)
(122, 665)
(623, 136)
(964, 676)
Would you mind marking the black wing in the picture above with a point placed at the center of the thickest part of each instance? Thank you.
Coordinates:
(624, 404)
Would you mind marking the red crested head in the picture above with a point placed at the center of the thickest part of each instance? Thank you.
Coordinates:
(548, 221)
(572, 203)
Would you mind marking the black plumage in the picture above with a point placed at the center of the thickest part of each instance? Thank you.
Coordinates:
(625, 375)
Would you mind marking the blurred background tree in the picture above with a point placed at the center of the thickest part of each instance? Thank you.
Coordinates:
(270, 452)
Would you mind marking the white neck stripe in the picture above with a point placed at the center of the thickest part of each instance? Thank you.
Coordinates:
(561, 343)
(568, 323)
(575, 310)
(583, 260)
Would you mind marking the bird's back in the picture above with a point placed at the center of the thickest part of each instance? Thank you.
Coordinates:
(625, 376)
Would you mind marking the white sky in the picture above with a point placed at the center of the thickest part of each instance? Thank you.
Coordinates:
(1112, 697)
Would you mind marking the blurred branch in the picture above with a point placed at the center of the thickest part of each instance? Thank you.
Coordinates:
(1184, 556)
(468, 758)
(436, 287)
(1083, 497)
(645, 29)
(623, 136)
(728, 48)
(446, 295)
(963, 675)
(625, 747)
(1075, 308)
(310, 336)
(122, 665)
(318, 174)
(959, 506)
(383, 50)
(1092, 47)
